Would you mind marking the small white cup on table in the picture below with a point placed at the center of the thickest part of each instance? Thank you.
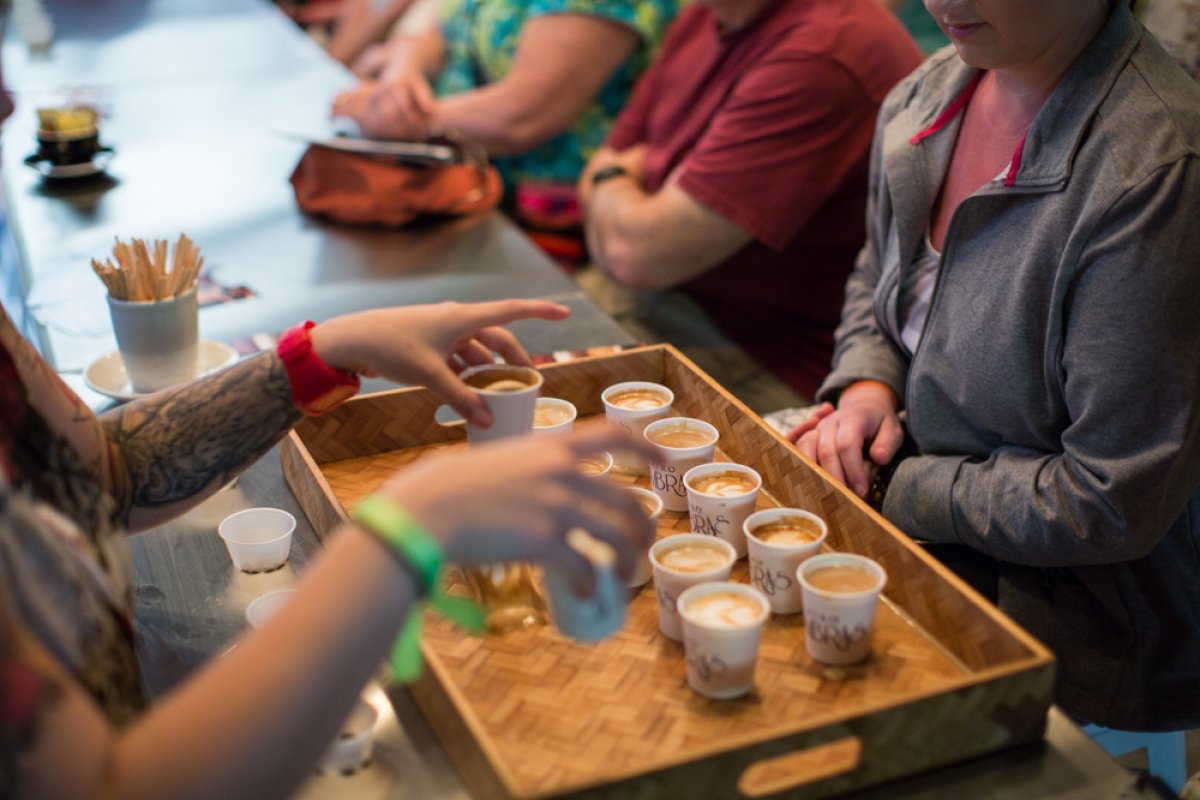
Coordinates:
(720, 497)
(841, 595)
(681, 443)
(510, 393)
(553, 415)
(682, 561)
(632, 405)
(258, 539)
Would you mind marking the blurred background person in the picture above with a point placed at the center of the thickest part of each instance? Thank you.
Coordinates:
(738, 174)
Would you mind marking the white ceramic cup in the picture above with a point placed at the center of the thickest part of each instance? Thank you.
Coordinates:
(512, 411)
(352, 747)
(838, 624)
(588, 619)
(666, 477)
(721, 515)
(264, 607)
(720, 643)
(670, 582)
(553, 415)
(258, 539)
(158, 339)
(652, 505)
(635, 420)
(773, 562)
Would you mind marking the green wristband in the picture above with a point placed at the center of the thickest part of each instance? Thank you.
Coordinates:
(414, 545)
(417, 549)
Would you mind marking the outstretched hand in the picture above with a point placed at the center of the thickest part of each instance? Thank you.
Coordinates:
(865, 420)
(430, 344)
(516, 499)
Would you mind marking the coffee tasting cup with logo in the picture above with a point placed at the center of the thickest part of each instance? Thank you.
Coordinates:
(778, 540)
(681, 561)
(841, 594)
(632, 405)
(722, 627)
(510, 393)
(720, 497)
(681, 443)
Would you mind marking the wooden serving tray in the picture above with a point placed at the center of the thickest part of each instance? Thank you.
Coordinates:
(529, 714)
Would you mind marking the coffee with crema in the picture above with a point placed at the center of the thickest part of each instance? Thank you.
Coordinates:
(680, 436)
(638, 399)
(693, 558)
(840, 579)
(724, 484)
(725, 610)
(546, 416)
(787, 531)
(500, 380)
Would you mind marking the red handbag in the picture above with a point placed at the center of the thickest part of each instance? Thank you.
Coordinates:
(372, 189)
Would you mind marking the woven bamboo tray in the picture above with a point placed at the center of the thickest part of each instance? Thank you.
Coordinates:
(529, 714)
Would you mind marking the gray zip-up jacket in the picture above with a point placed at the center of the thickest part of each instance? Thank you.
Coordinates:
(1055, 392)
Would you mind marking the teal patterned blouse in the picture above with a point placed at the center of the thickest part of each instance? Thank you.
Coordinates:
(481, 41)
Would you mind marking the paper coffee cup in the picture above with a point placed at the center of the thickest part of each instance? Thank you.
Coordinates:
(681, 443)
(841, 593)
(720, 497)
(691, 558)
(652, 505)
(778, 540)
(588, 619)
(722, 626)
(553, 415)
(632, 406)
(510, 393)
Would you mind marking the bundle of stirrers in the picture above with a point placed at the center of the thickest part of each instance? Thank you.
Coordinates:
(141, 275)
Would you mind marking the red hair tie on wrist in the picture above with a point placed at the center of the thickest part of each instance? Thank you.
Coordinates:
(316, 386)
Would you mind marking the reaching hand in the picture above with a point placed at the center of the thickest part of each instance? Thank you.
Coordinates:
(428, 345)
(865, 418)
(401, 107)
(516, 499)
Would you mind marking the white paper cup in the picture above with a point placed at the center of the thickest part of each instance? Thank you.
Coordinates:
(652, 505)
(158, 339)
(597, 466)
(720, 642)
(512, 411)
(258, 539)
(666, 477)
(588, 619)
(263, 608)
(351, 750)
(838, 624)
(670, 582)
(635, 420)
(721, 516)
(773, 563)
(553, 415)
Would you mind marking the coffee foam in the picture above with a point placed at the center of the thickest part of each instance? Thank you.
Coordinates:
(638, 399)
(842, 579)
(681, 436)
(505, 385)
(724, 484)
(725, 610)
(592, 466)
(693, 558)
(546, 416)
(789, 530)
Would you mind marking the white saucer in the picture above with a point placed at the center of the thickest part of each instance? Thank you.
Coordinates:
(107, 375)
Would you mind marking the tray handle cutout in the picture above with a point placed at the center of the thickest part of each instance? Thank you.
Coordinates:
(780, 773)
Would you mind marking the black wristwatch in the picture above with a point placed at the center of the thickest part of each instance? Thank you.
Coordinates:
(604, 173)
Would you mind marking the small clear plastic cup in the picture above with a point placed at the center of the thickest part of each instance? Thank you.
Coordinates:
(258, 539)
(263, 608)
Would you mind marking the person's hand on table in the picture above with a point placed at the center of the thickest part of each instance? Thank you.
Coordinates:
(401, 107)
(430, 344)
(865, 420)
(515, 500)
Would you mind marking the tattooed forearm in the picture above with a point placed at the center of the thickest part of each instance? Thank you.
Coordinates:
(184, 443)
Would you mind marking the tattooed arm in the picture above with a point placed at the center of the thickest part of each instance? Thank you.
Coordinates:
(165, 453)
